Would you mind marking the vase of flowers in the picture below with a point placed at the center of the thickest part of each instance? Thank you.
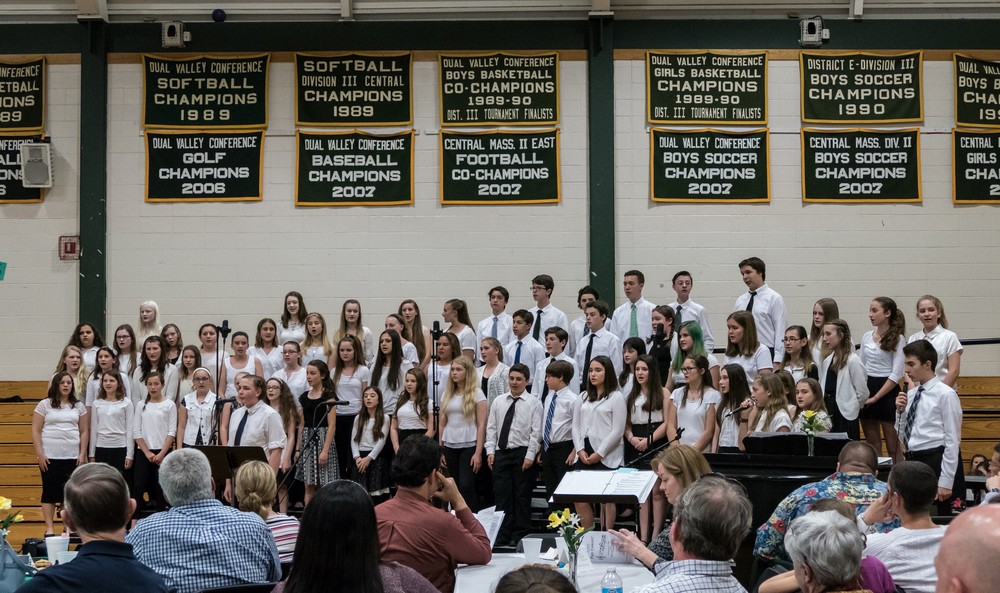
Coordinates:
(812, 423)
(567, 525)
(12, 572)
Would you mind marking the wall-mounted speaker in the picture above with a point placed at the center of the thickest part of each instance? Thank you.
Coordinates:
(36, 164)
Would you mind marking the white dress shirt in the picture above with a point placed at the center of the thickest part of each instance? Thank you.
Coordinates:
(878, 362)
(525, 428)
(111, 426)
(945, 342)
(94, 386)
(603, 422)
(263, 428)
(578, 329)
(154, 422)
(538, 376)
(171, 384)
(769, 314)
(691, 416)
(551, 317)
(269, 362)
(621, 319)
(692, 311)
(565, 401)
(531, 353)
(296, 381)
(909, 555)
(605, 343)
(368, 441)
(761, 359)
(505, 329)
(938, 422)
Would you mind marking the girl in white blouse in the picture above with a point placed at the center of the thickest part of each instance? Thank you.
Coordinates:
(154, 360)
(211, 356)
(351, 324)
(809, 397)
(843, 379)
(154, 431)
(448, 349)
(456, 313)
(395, 321)
(882, 356)
(71, 361)
(930, 312)
(126, 348)
(149, 320)
(111, 425)
(351, 378)
(419, 334)
(194, 415)
(493, 374)
(280, 398)
(389, 368)
(293, 374)
(370, 433)
(413, 414)
(690, 342)
(732, 412)
(824, 310)
(266, 348)
(107, 362)
(632, 348)
(171, 335)
(463, 427)
(798, 359)
(692, 407)
(293, 327)
(190, 360)
(239, 362)
(316, 345)
(645, 430)
(770, 411)
(743, 347)
(88, 340)
(598, 429)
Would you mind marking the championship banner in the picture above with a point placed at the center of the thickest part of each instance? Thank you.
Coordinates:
(353, 169)
(12, 190)
(706, 87)
(709, 166)
(22, 96)
(860, 166)
(976, 171)
(357, 89)
(205, 92)
(499, 89)
(977, 92)
(857, 87)
(500, 167)
(204, 166)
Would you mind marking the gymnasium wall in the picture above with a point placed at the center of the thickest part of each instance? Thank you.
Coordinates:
(207, 262)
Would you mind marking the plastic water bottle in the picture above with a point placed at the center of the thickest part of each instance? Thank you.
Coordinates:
(611, 583)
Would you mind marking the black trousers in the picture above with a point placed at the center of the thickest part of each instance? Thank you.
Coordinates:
(147, 481)
(933, 458)
(342, 440)
(554, 467)
(459, 463)
(512, 491)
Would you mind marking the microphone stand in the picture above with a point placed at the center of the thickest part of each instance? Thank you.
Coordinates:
(218, 406)
(648, 454)
(435, 335)
(310, 443)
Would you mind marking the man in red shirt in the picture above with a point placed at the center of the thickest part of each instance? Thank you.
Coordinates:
(416, 534)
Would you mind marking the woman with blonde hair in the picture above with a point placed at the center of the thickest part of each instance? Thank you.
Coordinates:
(317, 344)
(255, 492)
(770, 411)
(678, 467)
(71, 361)
(843, 379)
(149, 320)
(351, 324)
(463, 427)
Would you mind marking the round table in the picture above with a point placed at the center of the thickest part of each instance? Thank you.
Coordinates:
(482, 579)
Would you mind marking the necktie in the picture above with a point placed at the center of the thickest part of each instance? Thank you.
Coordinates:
(508, 419)
(911, 415)
(545, 390)
(633, 324)
(538, 325)
(517, 353)
(493, 331)
(753, 293)
(679, 308)
(586, 330)
(239, 429)
(547, 432)
(585, 381)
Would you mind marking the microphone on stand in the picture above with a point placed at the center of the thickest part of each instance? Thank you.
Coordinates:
(334, 402)
(224, 329)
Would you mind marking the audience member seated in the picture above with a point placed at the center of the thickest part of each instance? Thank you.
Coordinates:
(338, 548)
(414, 533)
(907, 551)
(200, 543)
(534, 578)
(97, 506)
(711, 518)
(854, 482)
(874, 575)
(825, 548)
(969, 552)
(256, 489)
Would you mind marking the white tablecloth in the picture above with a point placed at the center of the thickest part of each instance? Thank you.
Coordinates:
(482, 579)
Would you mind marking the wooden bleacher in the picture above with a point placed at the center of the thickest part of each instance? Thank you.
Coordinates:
(20, 481)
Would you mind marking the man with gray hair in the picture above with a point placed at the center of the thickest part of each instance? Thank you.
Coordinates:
(199, 543)
(711, 518)
(825, 548)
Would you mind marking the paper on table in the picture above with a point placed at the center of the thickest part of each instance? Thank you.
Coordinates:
(491, 519)
(602, 550)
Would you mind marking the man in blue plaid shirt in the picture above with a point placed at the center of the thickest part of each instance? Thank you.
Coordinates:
(200, 543)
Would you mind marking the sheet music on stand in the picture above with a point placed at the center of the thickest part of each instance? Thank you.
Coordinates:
(627, 487)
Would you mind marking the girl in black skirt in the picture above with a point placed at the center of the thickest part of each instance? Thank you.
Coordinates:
(371, 429)
(645, 431)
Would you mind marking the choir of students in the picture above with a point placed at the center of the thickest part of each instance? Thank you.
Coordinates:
(606, 389)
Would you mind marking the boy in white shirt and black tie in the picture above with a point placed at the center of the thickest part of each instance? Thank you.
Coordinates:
(513, 436)
(498, 324)
(767, 307)
(545, 314)
(557, 453)
(523, 348)
(687, 310)
(555, 345)
(929, 423)
(599, 341)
